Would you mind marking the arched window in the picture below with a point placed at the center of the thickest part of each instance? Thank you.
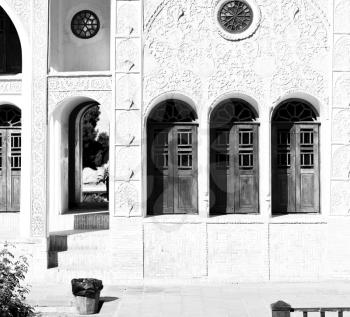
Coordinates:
(295, 158)
(88, 171)
(10, 46)
(10, 158)
(172, 159)
(234, 163)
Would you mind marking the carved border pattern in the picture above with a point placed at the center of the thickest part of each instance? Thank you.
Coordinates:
(22, 9)
(39, 119)
(10, 87)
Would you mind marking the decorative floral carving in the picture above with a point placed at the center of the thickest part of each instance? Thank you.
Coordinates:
(12, 86)
(68, 83)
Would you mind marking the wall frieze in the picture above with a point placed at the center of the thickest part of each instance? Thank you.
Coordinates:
(71, 84)
(10, 87)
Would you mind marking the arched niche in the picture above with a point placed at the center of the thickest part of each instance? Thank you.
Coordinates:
(10, 46)
(67, 151)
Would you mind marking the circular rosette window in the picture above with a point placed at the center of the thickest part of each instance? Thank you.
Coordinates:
(237, 19)
(85, 24)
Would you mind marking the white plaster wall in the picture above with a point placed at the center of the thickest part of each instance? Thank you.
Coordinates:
(70, 53)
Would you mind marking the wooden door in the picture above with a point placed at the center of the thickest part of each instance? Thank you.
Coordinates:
(234, 169)
(283, 168)
(221, 171)
(172, 169)
(246, 168)
(10, 169)
(185, 169)
(307, 168)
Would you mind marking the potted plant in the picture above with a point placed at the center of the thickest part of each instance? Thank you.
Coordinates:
(87, 295)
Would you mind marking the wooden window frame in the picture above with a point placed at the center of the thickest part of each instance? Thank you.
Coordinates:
(235, 192)
(171, 177)
(297, 201)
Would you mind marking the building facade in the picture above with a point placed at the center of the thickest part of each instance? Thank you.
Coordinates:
(228, 137)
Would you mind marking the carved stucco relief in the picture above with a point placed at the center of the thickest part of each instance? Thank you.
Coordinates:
(23, 9)
(184, 51)
(12, 87)
(39, 119)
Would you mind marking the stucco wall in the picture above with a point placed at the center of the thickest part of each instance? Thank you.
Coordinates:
(70, 53)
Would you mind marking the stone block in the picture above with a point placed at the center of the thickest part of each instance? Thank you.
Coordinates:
(175, 250)
(341, 57)
(128, 128)
(128, 55)
(238, 252)
(341, 16)
(127, 252)
(128, 163)
(128, 90)
(340, 126)
(128, 199)
(341, 90)
(340, 198)
(128, 18)
(341, 161)
(297, 251)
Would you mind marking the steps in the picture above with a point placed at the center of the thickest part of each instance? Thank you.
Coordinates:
(80, 252)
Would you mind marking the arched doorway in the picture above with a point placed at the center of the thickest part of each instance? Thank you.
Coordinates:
(10, 158)
(10, 46)
(295, 158)
(172, 159)
(88, 162)
(234, 162)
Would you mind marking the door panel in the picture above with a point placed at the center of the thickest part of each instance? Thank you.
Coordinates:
(160, 178)
(3, 171)
(14, 170)
(185, 169)
(221, 171)
(307, 171)
(283, 169)
(246, 168)
(172, 170)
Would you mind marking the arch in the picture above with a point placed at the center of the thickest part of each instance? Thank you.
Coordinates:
(66, 151)
(172, 184)
(234, 163)
(293, 110)
(312, 102)
(171, 95)
(295, 157)
(171, 111)
(233, 110)
(11, 60)
(236, 95)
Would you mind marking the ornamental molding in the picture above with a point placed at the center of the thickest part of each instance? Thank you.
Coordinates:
(242, 35)
(71, 84)
(11, 87)
(22, 8)
(55, 98)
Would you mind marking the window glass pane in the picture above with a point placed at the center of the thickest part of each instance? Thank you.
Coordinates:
(161, 149)
(245, 148)
(16, 151)
(306, 148)
(184, 148)
(283, 149)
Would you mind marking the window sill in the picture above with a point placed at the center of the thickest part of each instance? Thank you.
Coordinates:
(11, 77)
(174, 218)
(308, 218)
(236, 219)
(80, 74)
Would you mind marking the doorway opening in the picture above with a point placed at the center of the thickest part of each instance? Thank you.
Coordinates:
(88, 162)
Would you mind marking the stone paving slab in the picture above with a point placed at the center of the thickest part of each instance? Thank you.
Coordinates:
(196, 299)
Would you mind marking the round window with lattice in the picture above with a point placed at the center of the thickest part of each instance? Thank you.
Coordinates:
(236, 19)
(85, 24)
(235, 16)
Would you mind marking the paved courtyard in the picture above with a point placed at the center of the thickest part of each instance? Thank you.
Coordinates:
(195, 299)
